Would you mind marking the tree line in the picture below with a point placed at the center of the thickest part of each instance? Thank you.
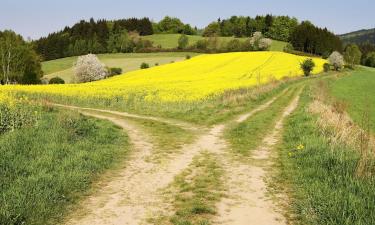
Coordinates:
(275, 27)
(304, 36)
(104, 36)
(88, 37)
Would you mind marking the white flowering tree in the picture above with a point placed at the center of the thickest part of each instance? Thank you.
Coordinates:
(259, 43)
(264, 44)
(89, 68)
(336, 60)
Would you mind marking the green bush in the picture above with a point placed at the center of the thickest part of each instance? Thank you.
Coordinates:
(144, 66)
(114, 72)
(183, 41)
(233, 45)
(307, 66)
(188, 57)
(326, 67)
(370, 59)
(56, 80)
(326, 54)
(288, 48)
(202, 44)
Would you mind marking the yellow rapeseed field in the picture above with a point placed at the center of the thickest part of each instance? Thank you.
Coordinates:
(196, 79)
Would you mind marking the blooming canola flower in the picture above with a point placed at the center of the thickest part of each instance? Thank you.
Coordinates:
(192, 80)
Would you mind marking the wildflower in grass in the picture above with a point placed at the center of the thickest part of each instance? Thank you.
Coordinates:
(300, 147)
(290, 154)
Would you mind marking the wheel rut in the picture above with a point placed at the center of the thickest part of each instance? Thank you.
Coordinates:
(135, 194)
(247, 201)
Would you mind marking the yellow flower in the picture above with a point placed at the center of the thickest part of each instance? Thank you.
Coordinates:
(193, 80)
(300, 147)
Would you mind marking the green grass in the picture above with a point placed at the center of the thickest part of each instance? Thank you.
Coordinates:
(171, 41)
(247, 135)
(357, 89)
(320, 180)
(168, 139)
(196, 191)
(126, 61)
(47, 168)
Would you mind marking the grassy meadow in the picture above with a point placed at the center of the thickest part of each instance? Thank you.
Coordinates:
(58, 155)
(171, 41)
(265, 120)
(49, 165)
(126, 61)
(356, 91)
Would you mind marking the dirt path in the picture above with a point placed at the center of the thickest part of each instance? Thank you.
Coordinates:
(247, 202)
(135, 194)
(182, 124)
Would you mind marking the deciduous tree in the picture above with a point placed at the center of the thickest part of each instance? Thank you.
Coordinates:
(88, 68)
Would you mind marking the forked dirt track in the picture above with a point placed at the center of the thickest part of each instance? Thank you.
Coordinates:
(247, 202)
(135, 193)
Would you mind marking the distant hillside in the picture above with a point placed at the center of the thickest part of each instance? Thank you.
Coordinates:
(359, 37)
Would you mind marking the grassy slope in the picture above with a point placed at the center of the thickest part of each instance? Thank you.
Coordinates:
(171, 40)
(126, 61)
(360, 36)
(320, 179)
(357, 89)
(46, 168)
(132, 61)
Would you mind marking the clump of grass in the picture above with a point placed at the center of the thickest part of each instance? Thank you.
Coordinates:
(196, 191)
(46, 168)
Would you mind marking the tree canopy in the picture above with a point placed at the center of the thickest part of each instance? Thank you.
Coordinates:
(18, 61)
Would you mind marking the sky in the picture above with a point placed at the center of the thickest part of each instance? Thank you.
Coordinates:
(36, 18)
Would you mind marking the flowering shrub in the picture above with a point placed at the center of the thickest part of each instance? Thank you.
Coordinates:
(88, 68)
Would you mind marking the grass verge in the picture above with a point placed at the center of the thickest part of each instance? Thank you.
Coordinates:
(320, 178)
(356, 90)
(45, 169)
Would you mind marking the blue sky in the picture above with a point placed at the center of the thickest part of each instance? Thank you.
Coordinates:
(35, 18)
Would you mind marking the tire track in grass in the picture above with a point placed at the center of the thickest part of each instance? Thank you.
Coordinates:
(247, 201)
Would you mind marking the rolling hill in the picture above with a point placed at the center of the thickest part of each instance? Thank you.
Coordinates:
(63, 68)
(171, 40)
(359, 37)
(196, 79)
